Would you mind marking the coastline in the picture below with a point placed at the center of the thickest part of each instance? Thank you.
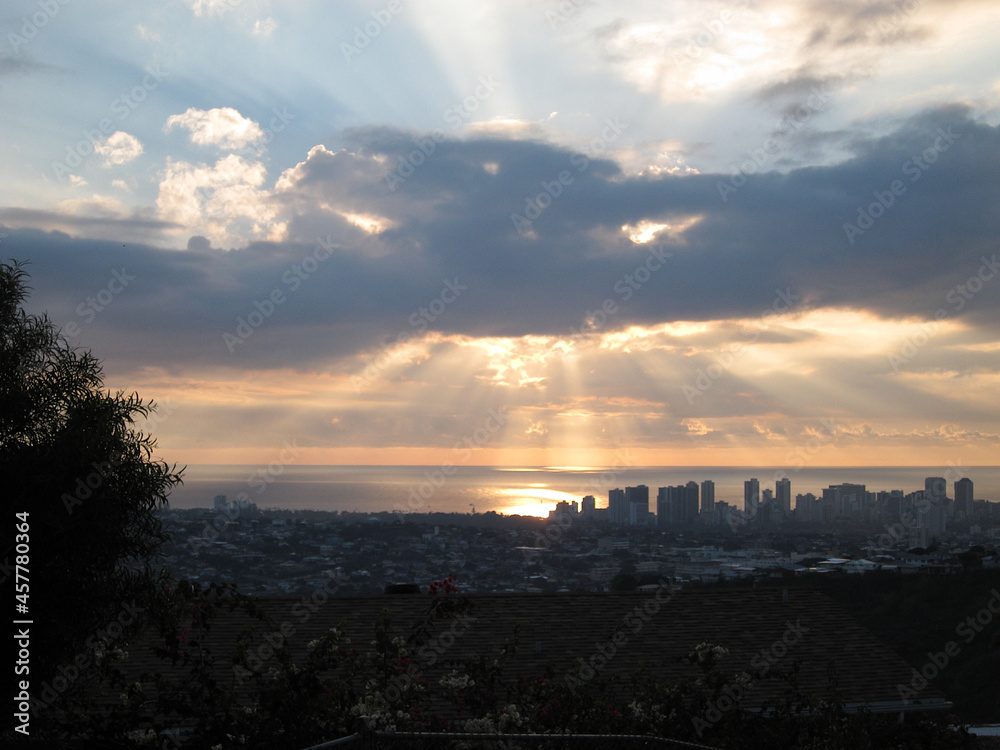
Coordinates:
(529, 490)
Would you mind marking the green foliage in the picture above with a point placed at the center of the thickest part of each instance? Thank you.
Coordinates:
(72, 458)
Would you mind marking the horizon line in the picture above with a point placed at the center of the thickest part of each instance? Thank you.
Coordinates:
(522, 467)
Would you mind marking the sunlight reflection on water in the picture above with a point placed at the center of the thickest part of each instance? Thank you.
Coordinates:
(533, 500)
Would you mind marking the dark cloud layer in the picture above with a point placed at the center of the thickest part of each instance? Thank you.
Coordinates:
(451, 221)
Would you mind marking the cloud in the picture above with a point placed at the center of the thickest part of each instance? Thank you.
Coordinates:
(224, 201)
(800, 84)
(202, 8)
(706, 245)
(11, 66)
(119, 148)
(98, 206)
(718, 51)
(779, 237)
(264, 28)
(779, 230)
(148, 34)
(222, 126)
(84, 220)
(508, 128)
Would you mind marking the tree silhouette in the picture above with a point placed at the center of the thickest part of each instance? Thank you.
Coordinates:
(73, 458)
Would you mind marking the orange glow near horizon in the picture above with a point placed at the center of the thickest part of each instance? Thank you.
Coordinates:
(567, 403)
(827, 456)
(532, 501)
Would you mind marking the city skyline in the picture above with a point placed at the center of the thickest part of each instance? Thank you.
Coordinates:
(530, 233)
(521, 491)
(927, 511)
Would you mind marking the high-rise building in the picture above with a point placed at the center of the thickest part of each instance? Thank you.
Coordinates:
(677, 495)
(662, 506)
(707, 497)
(919, 535)
(783, 494)
(844, 500)
(935, 489)
(963, 497)
(690, 502)
(617, 507)
(807, 507)
(725, 514)
(637, 499)
(751, 497)
(588, 506)
(219, 503)
(564, 511)
(677, 504)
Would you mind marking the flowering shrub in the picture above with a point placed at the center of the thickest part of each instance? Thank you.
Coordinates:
(447, 586)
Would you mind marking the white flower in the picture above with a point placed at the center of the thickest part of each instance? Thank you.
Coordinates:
(456, 681)
(510, 717)
(485, 724)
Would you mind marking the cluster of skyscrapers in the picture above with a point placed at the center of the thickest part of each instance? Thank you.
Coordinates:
(685, 504)
(240, 506)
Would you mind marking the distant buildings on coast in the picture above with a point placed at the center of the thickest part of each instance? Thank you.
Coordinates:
(241, 506)
(920, 515)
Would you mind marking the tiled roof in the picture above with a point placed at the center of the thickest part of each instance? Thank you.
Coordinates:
(758, 627)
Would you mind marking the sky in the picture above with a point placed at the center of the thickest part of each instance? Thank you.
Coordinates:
(519, 233)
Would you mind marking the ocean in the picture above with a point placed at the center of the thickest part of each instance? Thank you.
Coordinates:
(522, 490)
